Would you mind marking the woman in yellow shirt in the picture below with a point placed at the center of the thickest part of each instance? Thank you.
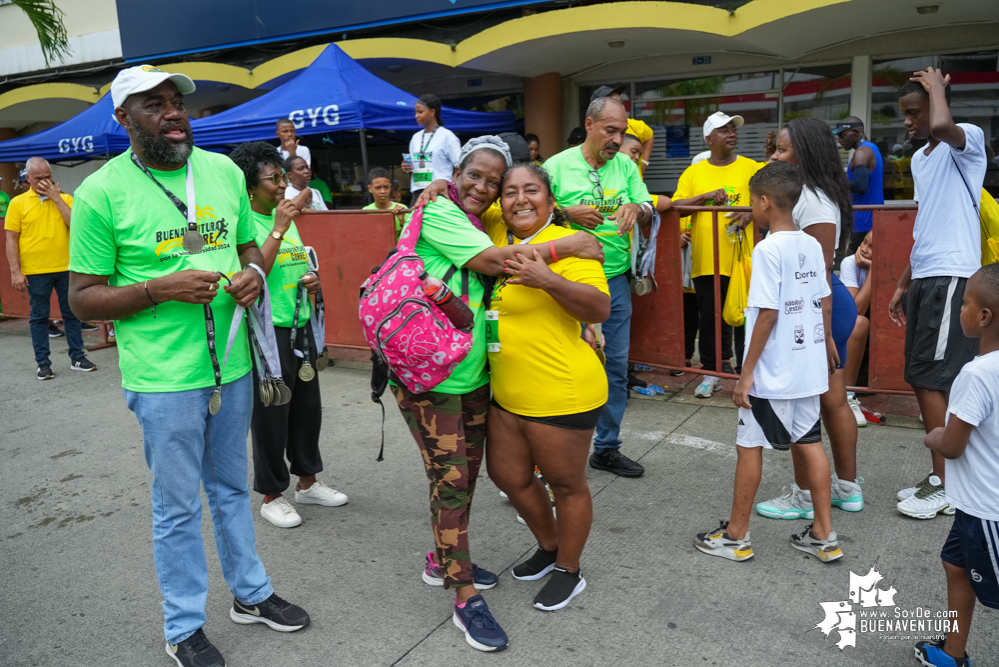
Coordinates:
(548, 384)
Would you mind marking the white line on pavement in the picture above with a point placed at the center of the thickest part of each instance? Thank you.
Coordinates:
(701, 443)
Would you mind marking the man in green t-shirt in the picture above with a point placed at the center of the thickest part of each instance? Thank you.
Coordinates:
(137, 258)
(601, 190)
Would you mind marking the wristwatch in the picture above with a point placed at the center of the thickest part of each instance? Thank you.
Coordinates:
(277, 236)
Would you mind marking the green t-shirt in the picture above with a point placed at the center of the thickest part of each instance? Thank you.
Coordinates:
(448, 239)
(324, 190)
(4, 203)
(290, 265)
(392, 206)
(125, 227)
(621, 183)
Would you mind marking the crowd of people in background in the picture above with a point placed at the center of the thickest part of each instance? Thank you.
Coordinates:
(541, 251)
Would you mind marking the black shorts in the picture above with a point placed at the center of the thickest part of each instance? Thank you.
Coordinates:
(580, 421)
(973, 544)
(936, 348)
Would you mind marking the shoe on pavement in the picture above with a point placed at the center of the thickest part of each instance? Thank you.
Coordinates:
(481, 630)
(719, 543)
(932, 654)
(274, 612)
(195, 651)
(858, 412)
(535, 567)
(503, 495)
(847, 495)
(45, 372)
(280, 512)
(927, 502)
(54, 331)
(616, 462)
(83, 364)
(709, 385)
(793, 503)
(825, 550)
(727, 368)
(911, 491)
(320, 494)
(432, 575)
(87, 326)
(560, 589)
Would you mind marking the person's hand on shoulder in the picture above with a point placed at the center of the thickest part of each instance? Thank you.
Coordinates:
(586, 246)
(434, 190)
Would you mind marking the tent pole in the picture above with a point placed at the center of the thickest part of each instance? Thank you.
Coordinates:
(364, 161)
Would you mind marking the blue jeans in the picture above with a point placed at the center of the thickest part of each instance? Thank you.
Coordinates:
(617, 332)
(40, 286)
(185, 448)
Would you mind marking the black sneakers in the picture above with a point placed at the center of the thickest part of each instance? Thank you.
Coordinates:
(195, 651)
(560, 589)
(616, 462)
(45, 372)
(537, 566)
(54, 331)
(87, 326)
(275, 613)
(82, 364)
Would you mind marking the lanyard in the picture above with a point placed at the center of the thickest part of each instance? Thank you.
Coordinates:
(425, 144)
(306, 372)
(215, 402)
(509, 234)
(193, 240)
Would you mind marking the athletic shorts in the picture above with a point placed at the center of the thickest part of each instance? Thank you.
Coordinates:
(844, 317)
(579, 421)
(775, 423)
(935, 346)
(973, 544)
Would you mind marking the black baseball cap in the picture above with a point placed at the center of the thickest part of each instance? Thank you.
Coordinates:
(847, 125)
(606, 91)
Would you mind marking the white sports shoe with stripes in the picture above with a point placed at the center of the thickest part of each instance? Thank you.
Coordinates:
(927, 502)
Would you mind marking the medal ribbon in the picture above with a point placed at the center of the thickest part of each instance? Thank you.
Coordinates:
(302, 354)
(189, 210)
(259, 316)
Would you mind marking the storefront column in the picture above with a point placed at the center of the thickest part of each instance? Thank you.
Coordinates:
(570, 110)
(543, 111)
(8, 170)
(860, 90)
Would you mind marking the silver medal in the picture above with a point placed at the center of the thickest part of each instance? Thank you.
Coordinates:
(193, 241)
(306, 372)
(215, 402)
(323, 360)
(283, 391)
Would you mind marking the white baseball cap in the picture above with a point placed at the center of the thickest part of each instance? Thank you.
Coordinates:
(141, 78)
(716, 120)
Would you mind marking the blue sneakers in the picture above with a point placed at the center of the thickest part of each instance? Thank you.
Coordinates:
(931, 654)
(481, 630)
(432, 575)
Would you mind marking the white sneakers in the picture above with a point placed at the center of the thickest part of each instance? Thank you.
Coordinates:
(928, 499)
(709, 385)
(320, 494)
(280, 512)
(854, 403)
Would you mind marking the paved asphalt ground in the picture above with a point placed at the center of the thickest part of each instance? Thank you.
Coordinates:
(77, 585)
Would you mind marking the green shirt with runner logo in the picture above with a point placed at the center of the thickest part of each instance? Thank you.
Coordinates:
(125, 227)
(289, 266)
(618, 182)
(447, 240)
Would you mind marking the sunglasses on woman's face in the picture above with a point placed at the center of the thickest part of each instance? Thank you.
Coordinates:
(275, 178)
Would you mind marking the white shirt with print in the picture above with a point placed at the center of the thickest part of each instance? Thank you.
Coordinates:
(442, 153)
(973, 477)
(317, 203)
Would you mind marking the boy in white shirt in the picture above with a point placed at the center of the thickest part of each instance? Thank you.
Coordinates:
(785, 370)
(970, 445)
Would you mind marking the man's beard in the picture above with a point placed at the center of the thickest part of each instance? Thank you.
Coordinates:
(159, 150)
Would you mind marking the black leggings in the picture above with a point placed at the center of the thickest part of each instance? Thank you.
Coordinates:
(705, 290)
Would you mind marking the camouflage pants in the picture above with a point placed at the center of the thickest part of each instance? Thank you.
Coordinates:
(450, 430)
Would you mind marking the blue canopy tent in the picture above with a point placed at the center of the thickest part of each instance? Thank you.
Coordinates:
(90, 134)
(333, 94)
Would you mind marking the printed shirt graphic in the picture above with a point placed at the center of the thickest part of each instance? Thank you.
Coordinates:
(44, 237)
(620, 184)
(440, 156)
(973, 477)
(125, 227)
(539, 343)
(789, 276)
(448, 239)
(706, 177)
(290, 265)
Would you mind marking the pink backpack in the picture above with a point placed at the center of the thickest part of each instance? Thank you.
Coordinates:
(406, 330)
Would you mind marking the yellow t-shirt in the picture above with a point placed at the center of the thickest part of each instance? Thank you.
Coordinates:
(44, 240)
(705, 177)
(541, 366)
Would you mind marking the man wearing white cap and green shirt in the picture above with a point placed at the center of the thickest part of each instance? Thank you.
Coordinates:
(153, 233)
(720, 180)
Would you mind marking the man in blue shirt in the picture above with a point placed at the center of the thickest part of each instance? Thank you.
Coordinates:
(865, 173)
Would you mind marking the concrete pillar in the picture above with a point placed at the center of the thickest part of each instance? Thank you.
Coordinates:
(8, 170)
(543, 111)
(860, 91)
(570, 110)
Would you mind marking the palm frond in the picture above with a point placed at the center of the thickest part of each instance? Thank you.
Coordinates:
(48, 21)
